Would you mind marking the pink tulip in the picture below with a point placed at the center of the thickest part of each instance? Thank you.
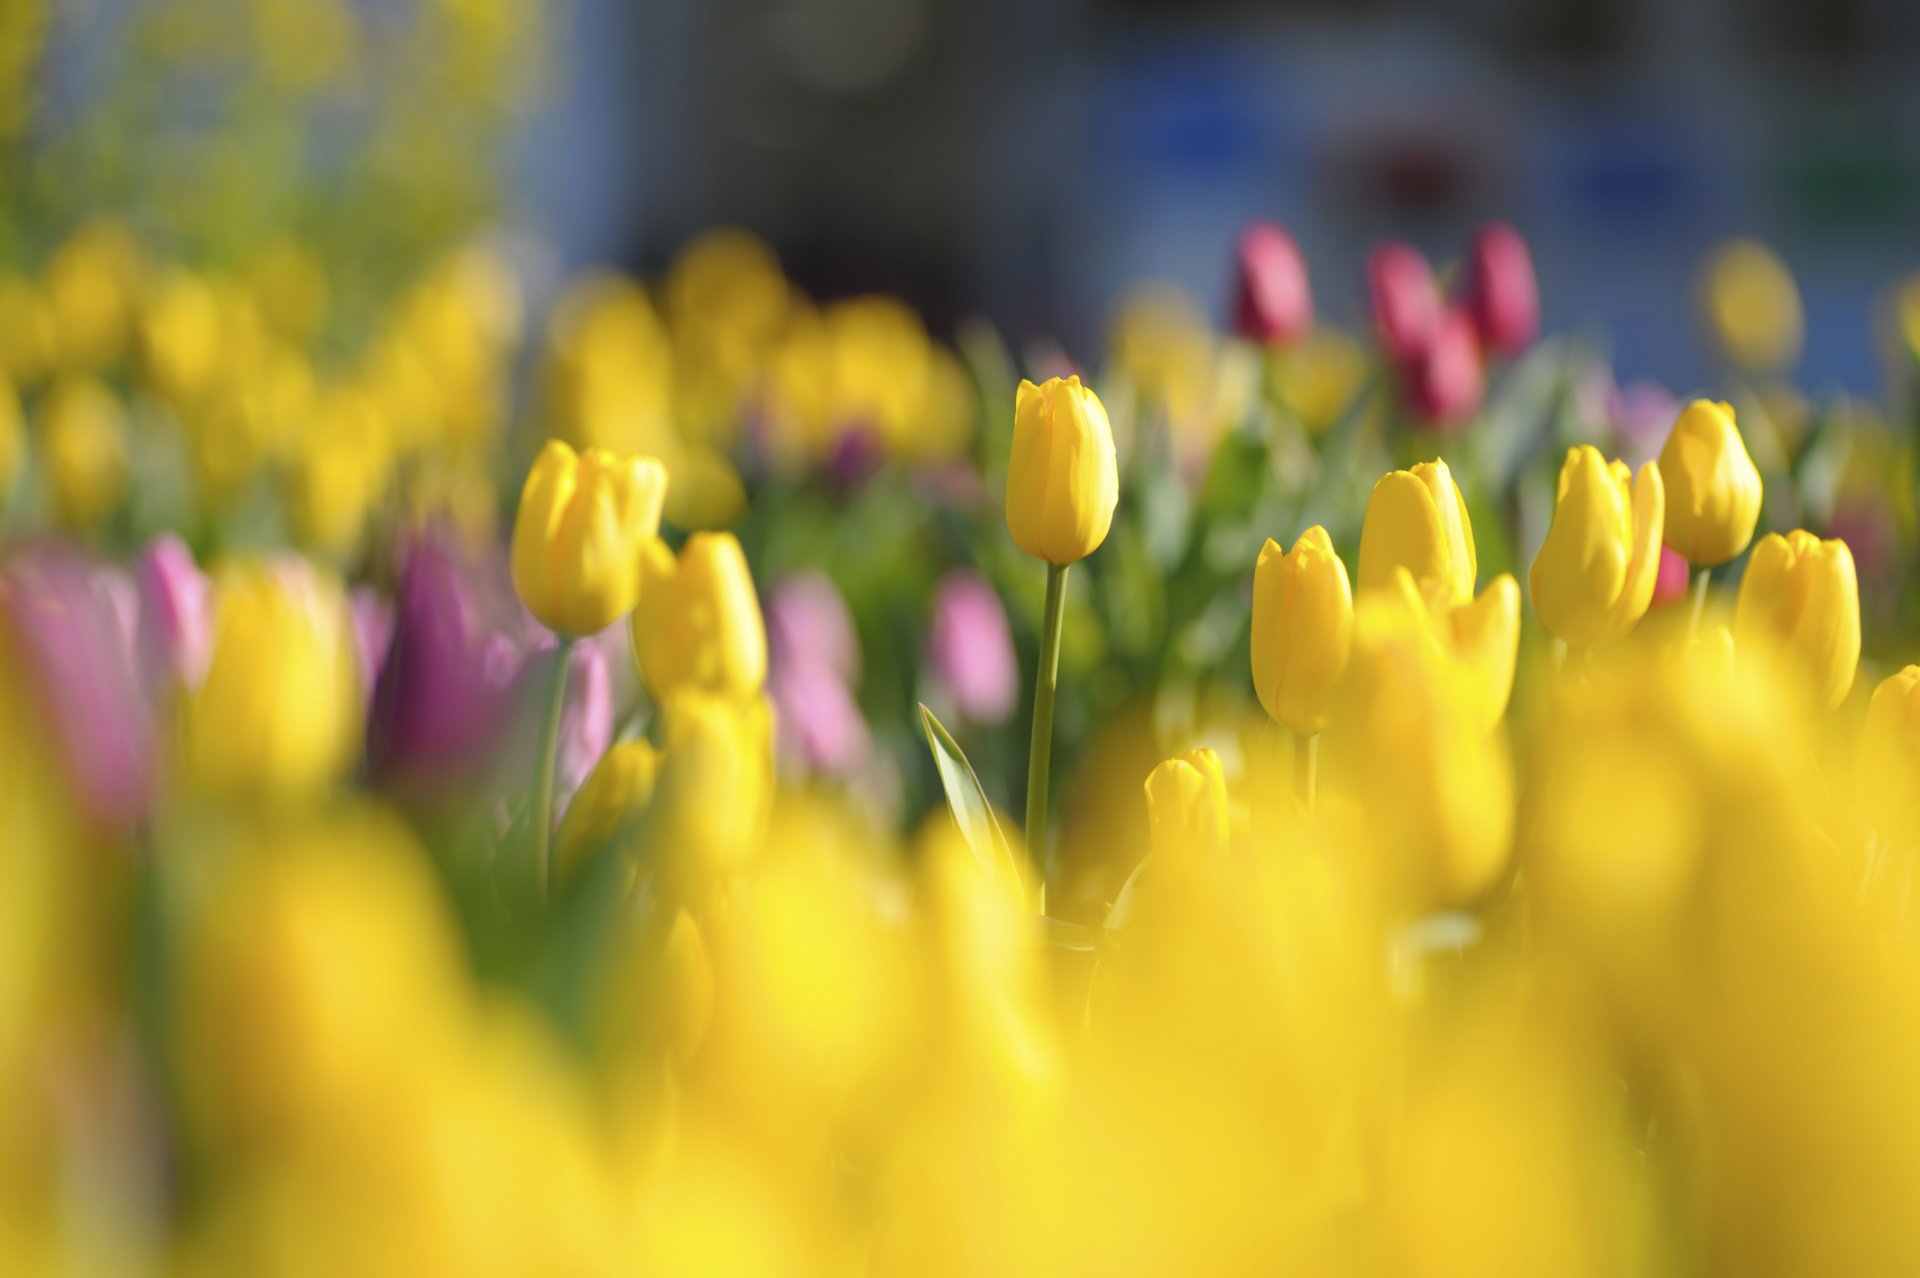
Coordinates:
(1671, 582)
(1444, 381)
(971, 649)
(1502, 291)
(1273, 301)
(176, 623)
(1406, 300)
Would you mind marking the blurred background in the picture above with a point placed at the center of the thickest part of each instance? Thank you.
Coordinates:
(1029, 159)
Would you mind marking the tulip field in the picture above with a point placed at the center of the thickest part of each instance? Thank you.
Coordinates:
(618, 775)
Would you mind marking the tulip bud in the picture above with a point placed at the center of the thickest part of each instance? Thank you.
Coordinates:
(1406, 299)
(714, 790)
(1752, 306)
(1062, 479)
(577, 538)
(1273, 302)
(1713, 488)
(1889, 773)
(615, 792)
(1801, 598)
(1302, 629)
(699, 625)
(1502, 291)
(1187, 806)
(1444, 378)
(1594, 576)
(1416, 519)
(83, 437)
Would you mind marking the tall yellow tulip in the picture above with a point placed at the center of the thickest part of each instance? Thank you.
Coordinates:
(1063, 479)
(1187, 805)
(699, 624)
(1713, 487)
(577, 539)
(1801, 599)
(1594, 575)
(1302, 629)
(1416, 519)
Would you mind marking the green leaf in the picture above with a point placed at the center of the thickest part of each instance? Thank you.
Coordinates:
(972, 814)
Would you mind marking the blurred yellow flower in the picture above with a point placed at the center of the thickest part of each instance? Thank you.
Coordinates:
(1416, 519)
(714, 791)
(698, 624)
(1593, 578)
(1888, 779)
(578, 535)
(1302, 629)
(1062, 480)
(1713, 487)
(84, 442)
(615, 792)
(1800, 601)
(1752, 306)
(1321, 377)
(92, 285)
(1187, 806)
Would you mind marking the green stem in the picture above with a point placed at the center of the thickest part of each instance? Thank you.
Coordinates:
(1700, 579)
(549, 758)
(1306, 768)
(1040, 748)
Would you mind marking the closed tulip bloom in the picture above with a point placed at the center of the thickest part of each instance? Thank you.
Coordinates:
(1416, 519)
(577, 539)
(616, 792)
(1484, 635)
(1273, 302)
(1800, 596)
(1594, 576)
(714, 791)
(1187, 805)
(1405, 297)
(1063, 479)
(1889, 775)
(1713, 487)
(1302, 629)
(699, 624)
(1445, 378)
(1503, 293)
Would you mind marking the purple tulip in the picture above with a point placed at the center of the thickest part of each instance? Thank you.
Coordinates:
(586, 720)
(74, 625)
(443, 695)
(971, 648)
(1273, 301)
(1641, 414)
(176, 620)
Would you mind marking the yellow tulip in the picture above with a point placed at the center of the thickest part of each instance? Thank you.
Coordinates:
(699, 623)
(1800, 598)
(83, 437)
(1483, 637)
(1187, 805)
(1713, 488)
(13, 437)
(1302, 629)
(1416, 519)
(577, 539)
(714, 791)
(1593, 578)
(1753, 306)
(91, 282)
(1063, 479)
(279, 711)
(181, 338)
(1889, 775)
(616, 791)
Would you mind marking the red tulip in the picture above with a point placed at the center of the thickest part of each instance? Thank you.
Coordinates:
(1273, 302)
(1406, 300)
(1671, 581)
(1443, 380)
(1502, 290)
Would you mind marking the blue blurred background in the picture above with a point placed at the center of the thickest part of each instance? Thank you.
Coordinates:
(1030, 159)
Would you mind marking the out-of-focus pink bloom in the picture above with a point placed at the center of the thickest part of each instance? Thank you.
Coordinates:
(819, 722)
(1444, 381)
(175, 631)
(73, 627)
(586, 717)
(1503, 294)
(443, 693)
(1273, 301)
(1406, 300)
(971, 648)
(1671, 582)
(372, 633)
(808, 623)
(1641, 414)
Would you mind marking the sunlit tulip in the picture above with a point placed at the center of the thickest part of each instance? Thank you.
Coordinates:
(1445, 378)
(1062, 479)
(715, 783)
(1801, 599)
(1713, 487)
(577, 539)
(699, 622)
(83, 440)
(1502, 291)
(1187, 805)
(1484, 638)
(1273, 301)
(1594, 576)
(1302, 629)
(1752, 306)
(1406, 299)
(615, 793)
(1416, 519)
